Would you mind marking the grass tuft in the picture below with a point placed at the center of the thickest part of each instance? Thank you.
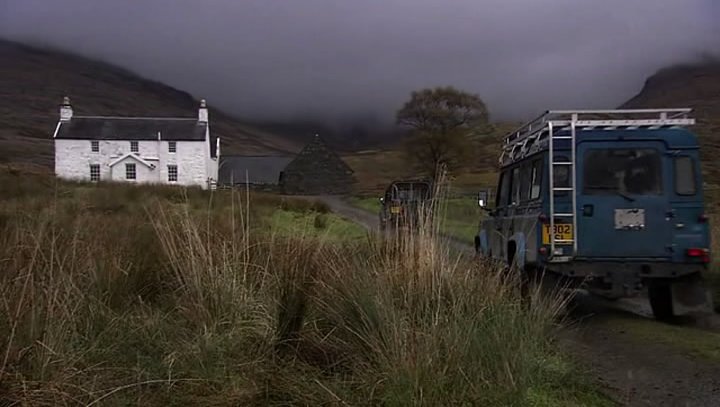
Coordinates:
(114, 295)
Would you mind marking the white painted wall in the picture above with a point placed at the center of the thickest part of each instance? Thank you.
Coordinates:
(143, 174)
(73, 159)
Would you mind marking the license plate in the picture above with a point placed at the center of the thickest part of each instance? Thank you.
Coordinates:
(563, 231)
(395, 209)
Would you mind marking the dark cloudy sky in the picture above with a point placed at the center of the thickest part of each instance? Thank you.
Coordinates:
(337, 58)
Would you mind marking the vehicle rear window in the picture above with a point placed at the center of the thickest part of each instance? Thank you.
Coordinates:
(622, 171)
(685, 176)
(561, 175)
(410, 191)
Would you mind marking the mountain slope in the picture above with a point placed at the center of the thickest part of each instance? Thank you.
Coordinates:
(33, 82)
(690, 85)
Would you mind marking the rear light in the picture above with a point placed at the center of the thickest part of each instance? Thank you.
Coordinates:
(543, 218)
(702, 254)
(543, 250)
(702, 218)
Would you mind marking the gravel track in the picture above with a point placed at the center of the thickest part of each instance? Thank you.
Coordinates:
(632, 373)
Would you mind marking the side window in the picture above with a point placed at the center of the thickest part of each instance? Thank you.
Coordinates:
(685, 176)
(535, 179)
(525, 182)
(501, 199)
(515, 183)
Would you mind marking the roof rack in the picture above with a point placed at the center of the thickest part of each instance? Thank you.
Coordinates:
(517, 143)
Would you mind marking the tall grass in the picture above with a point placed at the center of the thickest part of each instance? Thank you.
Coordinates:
(713, 276)
(162, 300)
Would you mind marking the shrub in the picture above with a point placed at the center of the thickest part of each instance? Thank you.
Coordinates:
(321, 221)
(320, 207)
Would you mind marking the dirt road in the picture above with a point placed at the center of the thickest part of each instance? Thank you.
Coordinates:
(628, 353)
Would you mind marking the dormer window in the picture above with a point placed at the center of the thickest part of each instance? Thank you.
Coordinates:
(134, 147)
(172, 147)
(95, 146)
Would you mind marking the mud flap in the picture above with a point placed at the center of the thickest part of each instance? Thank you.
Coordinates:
(691, 297)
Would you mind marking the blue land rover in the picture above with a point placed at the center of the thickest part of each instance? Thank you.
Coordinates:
(609, 199)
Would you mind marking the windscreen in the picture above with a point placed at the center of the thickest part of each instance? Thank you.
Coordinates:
(622, 171)
(407, 191)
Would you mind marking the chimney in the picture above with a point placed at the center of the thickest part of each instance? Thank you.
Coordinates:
(66, 111)
(217, 148)
(203, 112)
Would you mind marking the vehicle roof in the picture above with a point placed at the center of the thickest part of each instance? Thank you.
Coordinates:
(673, 137)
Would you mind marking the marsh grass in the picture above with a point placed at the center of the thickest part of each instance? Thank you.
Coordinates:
(116, 295)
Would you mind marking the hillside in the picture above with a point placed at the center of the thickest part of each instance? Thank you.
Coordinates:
(690, 85)
(33, 82)
(687, 85)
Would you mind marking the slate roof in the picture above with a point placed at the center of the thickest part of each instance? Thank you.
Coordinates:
(260, 169)
(316, 150)
(134, 128)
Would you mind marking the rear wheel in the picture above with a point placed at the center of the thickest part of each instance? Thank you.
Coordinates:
(661, 301)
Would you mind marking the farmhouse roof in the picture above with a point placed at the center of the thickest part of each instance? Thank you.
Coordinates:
(239, 169)
(132, 128)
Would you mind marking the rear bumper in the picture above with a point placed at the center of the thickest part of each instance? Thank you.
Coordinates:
(639, 269)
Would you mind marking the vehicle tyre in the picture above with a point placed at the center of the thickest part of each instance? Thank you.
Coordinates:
(660, 296)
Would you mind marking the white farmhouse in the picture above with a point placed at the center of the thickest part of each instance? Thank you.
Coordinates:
(158, 150)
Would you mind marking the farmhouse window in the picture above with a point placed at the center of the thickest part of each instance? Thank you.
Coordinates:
(94, 172)
(172, 147)
(95, 146)
(134, 147)
(172, 173)
(130, 172)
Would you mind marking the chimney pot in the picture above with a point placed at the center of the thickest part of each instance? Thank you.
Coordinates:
(66, 111)
(203, 112)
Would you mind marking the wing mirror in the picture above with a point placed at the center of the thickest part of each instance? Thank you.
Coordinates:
(483, 197)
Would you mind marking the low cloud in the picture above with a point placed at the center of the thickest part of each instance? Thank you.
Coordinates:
(285, 59)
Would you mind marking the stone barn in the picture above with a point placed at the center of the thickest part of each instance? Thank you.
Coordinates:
(317, 170)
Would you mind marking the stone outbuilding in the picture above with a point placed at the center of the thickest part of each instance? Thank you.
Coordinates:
(317, 170)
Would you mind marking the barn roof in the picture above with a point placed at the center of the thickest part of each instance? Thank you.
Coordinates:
(258, 169)
(316, 150)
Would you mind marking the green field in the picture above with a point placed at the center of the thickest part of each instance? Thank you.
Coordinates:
(127, 295)
(459, 216)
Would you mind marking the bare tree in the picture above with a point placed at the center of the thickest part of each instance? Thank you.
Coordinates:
(441, 122)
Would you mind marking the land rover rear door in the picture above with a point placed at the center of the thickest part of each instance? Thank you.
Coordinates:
(622, 201)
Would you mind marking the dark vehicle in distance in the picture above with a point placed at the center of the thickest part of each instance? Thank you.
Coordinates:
(403, 203)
